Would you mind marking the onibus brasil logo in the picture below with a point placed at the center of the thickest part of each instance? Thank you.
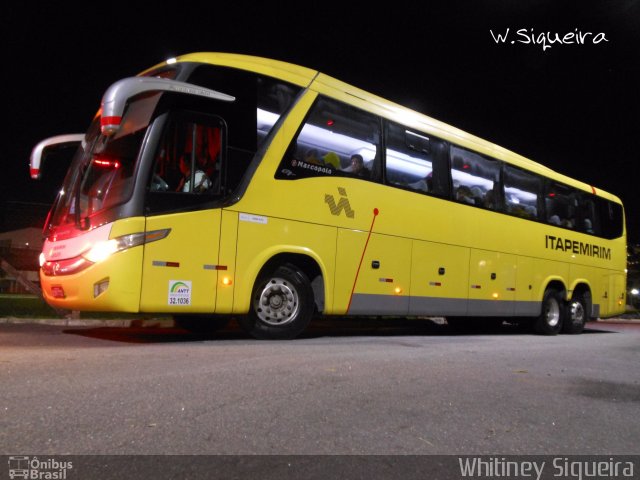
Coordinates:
(38, 469)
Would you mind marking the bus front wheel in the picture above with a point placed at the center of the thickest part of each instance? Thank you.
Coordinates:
(550, 320)
(281, 304)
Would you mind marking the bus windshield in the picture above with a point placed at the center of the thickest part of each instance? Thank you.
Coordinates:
(198, 147)
(101, 173)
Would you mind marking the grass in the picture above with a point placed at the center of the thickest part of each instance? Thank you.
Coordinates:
(32, 306)
(15, 305)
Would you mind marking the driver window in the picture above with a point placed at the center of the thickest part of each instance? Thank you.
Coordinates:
(188, 159)
(189, 163)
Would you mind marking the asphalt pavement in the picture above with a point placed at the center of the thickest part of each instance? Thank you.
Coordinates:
(360, 388)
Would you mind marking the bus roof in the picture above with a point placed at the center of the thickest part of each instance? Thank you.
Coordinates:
(325, 84)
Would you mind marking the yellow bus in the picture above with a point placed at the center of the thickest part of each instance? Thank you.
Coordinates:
(215, 185)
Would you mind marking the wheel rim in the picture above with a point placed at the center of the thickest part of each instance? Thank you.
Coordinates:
(577, 312)
(553, 313)
(277, 303)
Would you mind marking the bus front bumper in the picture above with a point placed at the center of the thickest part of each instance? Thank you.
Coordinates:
(112, 284)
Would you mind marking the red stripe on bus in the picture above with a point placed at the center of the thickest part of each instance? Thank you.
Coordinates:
(364, 250)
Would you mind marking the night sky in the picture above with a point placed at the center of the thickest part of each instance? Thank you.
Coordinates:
(573, 107)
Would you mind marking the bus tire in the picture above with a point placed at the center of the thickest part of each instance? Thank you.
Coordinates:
(201, 324)
(282, 305)
(550, 320)
(578, 313)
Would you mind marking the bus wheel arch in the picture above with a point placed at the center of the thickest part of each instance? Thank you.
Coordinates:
(306, 264)
(283, 298)
(579, 309)
(553, 310)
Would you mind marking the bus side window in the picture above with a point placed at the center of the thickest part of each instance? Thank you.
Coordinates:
(414, 161)
(521, 192)
(335, 140)
(610, 218)
(561, 205)
(588, 220)
(475, 179)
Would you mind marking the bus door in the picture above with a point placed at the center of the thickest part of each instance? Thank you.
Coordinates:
(180, 271)
(492, 283)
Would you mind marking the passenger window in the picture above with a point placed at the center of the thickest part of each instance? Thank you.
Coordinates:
(521, 192)
(416, 161)
(475, 179)
(561, 204)
(611, 218)
(335, 140)
(588, 218)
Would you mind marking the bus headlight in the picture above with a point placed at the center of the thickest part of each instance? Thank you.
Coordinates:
(101, 251)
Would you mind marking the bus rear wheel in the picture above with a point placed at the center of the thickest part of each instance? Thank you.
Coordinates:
(553, 312)
(281, 305)
(578, 313)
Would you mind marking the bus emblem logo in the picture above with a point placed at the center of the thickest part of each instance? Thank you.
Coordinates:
(343, 204)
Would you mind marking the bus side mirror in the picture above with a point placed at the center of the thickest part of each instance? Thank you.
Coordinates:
(49, 145)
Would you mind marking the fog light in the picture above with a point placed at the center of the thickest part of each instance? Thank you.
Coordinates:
(57, 291)
(100, 287)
